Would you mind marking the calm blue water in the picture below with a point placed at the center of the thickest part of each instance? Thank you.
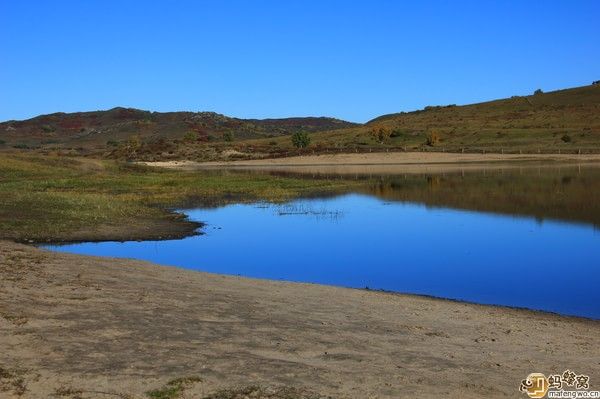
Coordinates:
(360, 240)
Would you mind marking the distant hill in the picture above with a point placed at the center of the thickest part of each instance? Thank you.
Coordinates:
(565, 119)
(521, 110)
(98, 128)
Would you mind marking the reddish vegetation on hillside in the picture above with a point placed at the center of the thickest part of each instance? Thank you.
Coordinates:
(99, 128)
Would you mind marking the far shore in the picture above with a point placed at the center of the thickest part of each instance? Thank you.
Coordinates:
(86, 327)
(407, 161)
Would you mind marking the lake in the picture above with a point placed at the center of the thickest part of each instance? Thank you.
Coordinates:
(515, 236)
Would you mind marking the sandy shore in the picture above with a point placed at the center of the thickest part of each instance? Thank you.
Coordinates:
(412, 159)
(87, 327)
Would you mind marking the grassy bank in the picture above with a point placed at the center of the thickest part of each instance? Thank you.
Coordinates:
(57, 198)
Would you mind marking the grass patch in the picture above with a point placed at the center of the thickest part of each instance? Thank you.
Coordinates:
(173, 389)
(45, 198)
(259, 392)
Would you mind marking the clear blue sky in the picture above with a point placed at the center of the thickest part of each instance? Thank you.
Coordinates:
(348, 59)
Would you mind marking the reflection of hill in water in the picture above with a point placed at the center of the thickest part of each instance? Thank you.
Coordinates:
(568, 193)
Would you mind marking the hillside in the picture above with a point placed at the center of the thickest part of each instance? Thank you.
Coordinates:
(565, 120)
(560, 121)
(108, 128)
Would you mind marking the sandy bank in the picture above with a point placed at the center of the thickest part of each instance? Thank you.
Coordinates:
(82, 325)
(424, 159)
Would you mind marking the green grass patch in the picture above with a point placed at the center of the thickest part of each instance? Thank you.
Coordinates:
(173, 389)
(45, 198)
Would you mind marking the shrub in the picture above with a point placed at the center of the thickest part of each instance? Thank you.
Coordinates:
(48, 128)
(134, 143)
(112, 143)
(538, 91)
(228, 136)
(300, 139)
(190, 136)
(381, 134)
(2, 142)
(396, 133)
(432, 139)
(596, 82)
(566, 138)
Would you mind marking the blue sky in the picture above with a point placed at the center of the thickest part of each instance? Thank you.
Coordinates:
(259, 59)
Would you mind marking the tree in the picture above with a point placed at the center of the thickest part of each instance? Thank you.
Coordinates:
(381, 133)
(432, 139)
(300, 139)
(134, 143)
(538, 91)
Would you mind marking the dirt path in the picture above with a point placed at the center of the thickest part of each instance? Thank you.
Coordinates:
(426, 159)
(87, 327)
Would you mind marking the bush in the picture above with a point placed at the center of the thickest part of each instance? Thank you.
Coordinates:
(596, 82)
(112, 143)
(133, 145)
(381, 134)
(228, 136)
(190, 136)
(432, 139)
(300, 140)
(2, 142)
(538, 91)
(566, 138)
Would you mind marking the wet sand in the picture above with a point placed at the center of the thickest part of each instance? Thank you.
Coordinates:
(89, 327)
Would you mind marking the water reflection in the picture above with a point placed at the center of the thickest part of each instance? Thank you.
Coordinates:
(566, 192)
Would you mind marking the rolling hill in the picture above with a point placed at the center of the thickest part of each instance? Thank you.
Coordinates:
(561, 121)
(105, 128)
(564, 120)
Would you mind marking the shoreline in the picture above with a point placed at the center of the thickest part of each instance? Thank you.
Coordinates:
(84, 323)
(45, 247)
(413, 159)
